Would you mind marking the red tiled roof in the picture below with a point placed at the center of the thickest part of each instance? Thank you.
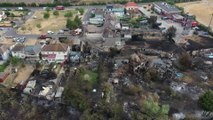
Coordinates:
(55, 47)
(130, 4)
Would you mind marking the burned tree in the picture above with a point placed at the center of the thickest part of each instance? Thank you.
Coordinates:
(170, 33)
(185, 60)
(152, 21)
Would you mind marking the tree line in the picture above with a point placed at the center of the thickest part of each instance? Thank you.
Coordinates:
(76, 3)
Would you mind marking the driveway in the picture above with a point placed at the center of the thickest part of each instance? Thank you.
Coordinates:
(168, 23)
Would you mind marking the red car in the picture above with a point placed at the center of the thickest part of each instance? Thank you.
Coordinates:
(44, 37)
(59, 7)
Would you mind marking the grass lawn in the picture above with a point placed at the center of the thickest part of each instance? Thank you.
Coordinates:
(89, 75)
(3, 67)
(37, 24)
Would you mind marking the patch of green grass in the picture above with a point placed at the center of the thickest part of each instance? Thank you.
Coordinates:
(89, 75)
(3, 66)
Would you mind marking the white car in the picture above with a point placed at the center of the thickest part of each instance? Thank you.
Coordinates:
(50, 32)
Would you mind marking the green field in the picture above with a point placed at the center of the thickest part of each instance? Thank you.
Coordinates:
(89, 75)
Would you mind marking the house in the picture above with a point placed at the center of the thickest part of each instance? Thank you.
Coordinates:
(165, 9)
(4, 51)
(18, 51)
(118, 12)
(74, 57)
(97, 20)
(109, 7)
(125, 26)
(32, 51)
(55, 52)
(131, 6)
(29, 87)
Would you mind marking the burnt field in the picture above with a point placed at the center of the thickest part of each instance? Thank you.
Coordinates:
(198, 42)
(165, 46)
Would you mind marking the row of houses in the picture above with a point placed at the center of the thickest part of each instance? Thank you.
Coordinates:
(120, 10)
(56, 52)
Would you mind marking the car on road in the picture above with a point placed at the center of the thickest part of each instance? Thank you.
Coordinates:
(50, 32)
(44, 37)
(61, 32)
(19, 39)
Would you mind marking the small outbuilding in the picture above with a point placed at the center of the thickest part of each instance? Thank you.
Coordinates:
(131, 6)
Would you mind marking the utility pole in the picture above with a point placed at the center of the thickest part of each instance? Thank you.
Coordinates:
(210, 22)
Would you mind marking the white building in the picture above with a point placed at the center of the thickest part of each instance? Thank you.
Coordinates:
(55, 52)
(18, 51)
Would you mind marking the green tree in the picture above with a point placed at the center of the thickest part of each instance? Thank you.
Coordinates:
(15, 61)
(68, 14)
(47, 9)
(92, 15)
(81, 10)
(46, 15)
(152, 109)
(71, 24)
(170, 33)
(77, 21)
(38, 25)
(7, 13)
(206, 102)
(56, 13)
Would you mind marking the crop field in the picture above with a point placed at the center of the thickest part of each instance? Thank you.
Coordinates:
(201, 9)
(26, 1)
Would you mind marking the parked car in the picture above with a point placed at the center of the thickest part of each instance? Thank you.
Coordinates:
(61, 32)
(164, 18)
(50, 32)
(196, 28)
(20, 8)
(158, 23)
(19, 39)
(59, 7)
(44, 37)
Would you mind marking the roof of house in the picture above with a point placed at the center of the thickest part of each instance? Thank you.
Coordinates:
(4, 48)
(131, 4)
(55, 47)
(18, 47)
(33, 49)
(118, 9)
(166, 7)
